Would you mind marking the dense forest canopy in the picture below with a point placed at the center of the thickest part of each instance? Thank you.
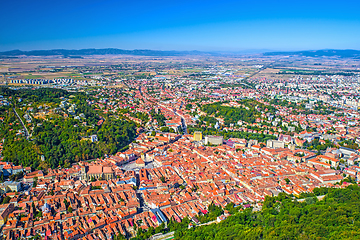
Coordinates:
(59, 137)
(283, 217)
(45, 95)
(249, 111)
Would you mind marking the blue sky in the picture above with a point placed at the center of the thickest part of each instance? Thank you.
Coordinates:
(180, 25)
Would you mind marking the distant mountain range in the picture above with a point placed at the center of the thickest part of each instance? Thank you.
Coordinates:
(93, 51)
(349, 53)
(144, 52)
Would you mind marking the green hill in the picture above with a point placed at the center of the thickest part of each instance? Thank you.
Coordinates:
(282, 217)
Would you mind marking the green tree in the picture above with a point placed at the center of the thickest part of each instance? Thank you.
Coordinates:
(162, 178)
(287, 180)
(69, 209)
(35, 182)
(6, 200)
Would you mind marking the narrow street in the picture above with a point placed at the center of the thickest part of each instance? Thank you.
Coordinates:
(143, 207)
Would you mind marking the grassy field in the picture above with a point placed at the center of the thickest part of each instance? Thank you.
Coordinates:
(92, 74)
(32, 76)
(72, 74)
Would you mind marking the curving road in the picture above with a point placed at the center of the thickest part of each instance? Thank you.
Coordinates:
(27, 135)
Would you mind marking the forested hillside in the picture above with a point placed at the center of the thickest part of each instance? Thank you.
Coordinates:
(282, 217)
(60, 127)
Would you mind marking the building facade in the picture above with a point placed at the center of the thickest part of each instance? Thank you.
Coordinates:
(96, 172)
(197, 136)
